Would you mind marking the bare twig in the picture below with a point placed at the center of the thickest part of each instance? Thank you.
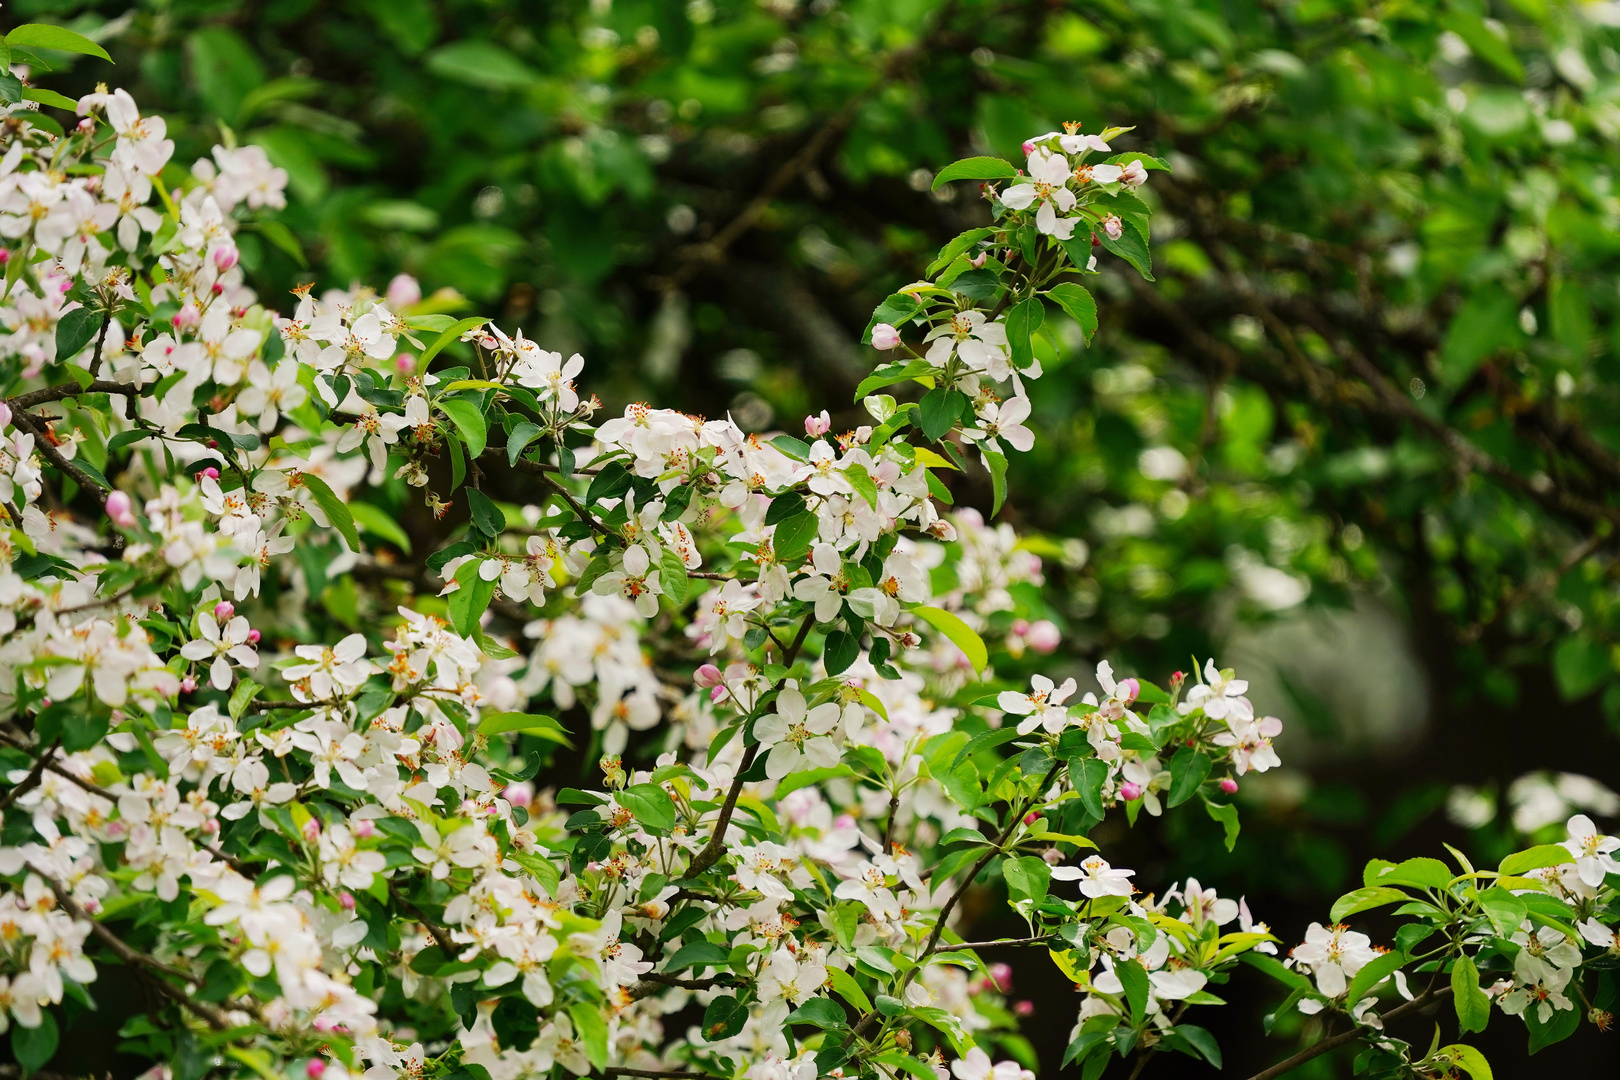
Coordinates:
(1333, 1042)
(42, 442)
(440, 936)
(30, 781)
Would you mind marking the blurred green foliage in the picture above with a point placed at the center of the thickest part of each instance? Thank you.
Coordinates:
(1379, 359)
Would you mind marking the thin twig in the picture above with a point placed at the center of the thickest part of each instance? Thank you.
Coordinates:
(440, 936)
(1012, 942)
(73, 389)
(1333, 1042)
(42, 442)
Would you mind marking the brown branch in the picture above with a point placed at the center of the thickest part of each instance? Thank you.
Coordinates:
(42, 442)
(1333, 1042)
(440, 936)
(30, 781)
(1016, 942)
(717, 841)
(142, 961)
(73, 389)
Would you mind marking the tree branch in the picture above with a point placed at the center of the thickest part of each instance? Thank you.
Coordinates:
(30, 781)
(1333, 1042)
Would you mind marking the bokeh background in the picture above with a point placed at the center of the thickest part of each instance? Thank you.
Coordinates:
(1361, 439)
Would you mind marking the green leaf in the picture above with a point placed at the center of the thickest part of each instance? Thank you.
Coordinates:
(49, 97)
(725, 1017)
(486, 516)
(1027, 878)
(1023, 319)
(889, 374)
(1202, 1041)
(1078, 302)
(1424, 873)
(544, 727)
(1132, 246)
(950, 251)
(1468, 1059)
(797, 449)
(939, 411)
(1227, 815)
(958, 632)
(1483, 43)
(1188, 771)
(43, 36)
(673, 577)
(651, 804)
(793, 537)
(242, 696)
(1487, 322)
(975, 168)
(1580, 666)
(482, 64)
(998, 480)
(334, 508)
(1560, 1026)
(449, 335)
(591, 1028)
(522, 435)
(34, 1047)
(1473, 1004)
(379, 523)
(74, 331)
(820, 1012)
(1375, 972)
(468, 603)
(1522, 862)
(845, 986)
(469, 420)
(1135, 980)
(840, 651)
(1364, 899)
(1505, 910)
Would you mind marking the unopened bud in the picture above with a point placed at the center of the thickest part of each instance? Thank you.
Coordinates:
(1024, 1008)
(365, 828)
(816, 426)
(217, 289)
(209, 473)
(1229, 785)
(187, 317)
(884, 336)
(187, 685)
(1031, 818)
(1129, 690)
(1002, 975)
(405, 363)
(403, 292)
(315, 1068)
(225, 257)
(253, 637)
(1130, 791)
(717, 695)
(120, 510)
(223, 611)
(346, 898)
(1043, 636)
(707, 676)
(312, 830)
(86, 126)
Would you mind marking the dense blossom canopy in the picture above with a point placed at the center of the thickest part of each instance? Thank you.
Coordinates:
(327, 854)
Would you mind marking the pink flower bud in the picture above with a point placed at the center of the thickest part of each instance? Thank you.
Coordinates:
(225, 257)
(315, 1068)
(210, 826)
(1130, 791)
(86, 126)
(187, 685)
(403, 292)
(5, 414)
(1020, 627)
(1113, 226)
(1002, 974)
(253, 637)
(119, 509)
(223, 611)
(520, 793)
(979, 260)
(1028, 147)
(717, 695)
(312, 830)
(707, 677)
(324, 1024)
(816, 426)
(1129, 689)
(217, 289)
(187, 317)
(405, 363)
(1229, 785)
(1044, 636)
(1024, 1008)
(884, 336)
(209, 473)
(346, 898)
(365, 828)
(1031, 818)
(5, 256)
